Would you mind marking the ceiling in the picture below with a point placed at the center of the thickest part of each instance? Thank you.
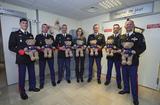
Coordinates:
(76, 9)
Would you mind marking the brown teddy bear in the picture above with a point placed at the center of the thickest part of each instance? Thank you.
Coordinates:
(48, 48)
(79, 48)
(31, 49)
(127, 52)
(110, 47)
(68, 49)
(93, 48)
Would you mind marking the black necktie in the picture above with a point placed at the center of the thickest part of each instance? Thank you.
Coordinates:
(25, 33)
(45, 34)
(115, 35)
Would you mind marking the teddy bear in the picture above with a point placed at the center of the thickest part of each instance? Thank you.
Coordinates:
(110, 47)
(31, 49)
(127, 52)
(93, 48)
(79, 48)
(48, 48)
(68, 49)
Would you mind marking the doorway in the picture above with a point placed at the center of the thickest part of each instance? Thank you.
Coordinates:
(3, 78)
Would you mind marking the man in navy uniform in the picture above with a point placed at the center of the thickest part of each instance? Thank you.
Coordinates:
(17, 44)
(100, 42)
(116, 58)
(63, 61)
(129, 72)
(40, 41)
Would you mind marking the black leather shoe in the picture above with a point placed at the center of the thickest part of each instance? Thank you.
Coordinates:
(107, 83)
(24, 96)
(124, 92)
(53, 83)
(41, 86)
(99, 81)
(81, 79)
(69, 81)
(59, 81)
(89, 80)
(77, 80)
(136, 102)
(119, 86)
(35, 90)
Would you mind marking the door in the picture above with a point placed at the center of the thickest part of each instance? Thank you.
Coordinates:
(9, 24)
(3, 81)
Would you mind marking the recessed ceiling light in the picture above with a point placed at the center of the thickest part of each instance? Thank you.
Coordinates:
(92, 9)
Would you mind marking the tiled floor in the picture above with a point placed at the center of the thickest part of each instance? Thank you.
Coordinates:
(77, 94)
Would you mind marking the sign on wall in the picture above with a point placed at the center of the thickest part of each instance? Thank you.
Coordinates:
(132, 11)
(151, 26)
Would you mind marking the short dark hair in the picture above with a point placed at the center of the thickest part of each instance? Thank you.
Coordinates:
(95, 25)
(23, 19)
(64, 25)
(78, 30)
(127, 19)
(45, 25)
(116, 25)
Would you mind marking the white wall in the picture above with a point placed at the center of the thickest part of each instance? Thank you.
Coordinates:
(49, 18)
(87, 24)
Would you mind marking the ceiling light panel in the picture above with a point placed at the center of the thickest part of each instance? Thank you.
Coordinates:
(108, 4)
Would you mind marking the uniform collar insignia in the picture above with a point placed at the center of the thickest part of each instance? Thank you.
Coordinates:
(19, 31)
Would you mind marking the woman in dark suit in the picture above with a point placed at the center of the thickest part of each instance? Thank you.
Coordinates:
(80, 45)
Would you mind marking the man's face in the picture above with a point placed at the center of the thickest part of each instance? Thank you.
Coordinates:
(45, 28)
(96, 29)
(64, 29)
(116, 29)
(129, 26)
(24, 25)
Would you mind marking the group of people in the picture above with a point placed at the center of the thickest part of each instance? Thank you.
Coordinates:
(67, 46)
